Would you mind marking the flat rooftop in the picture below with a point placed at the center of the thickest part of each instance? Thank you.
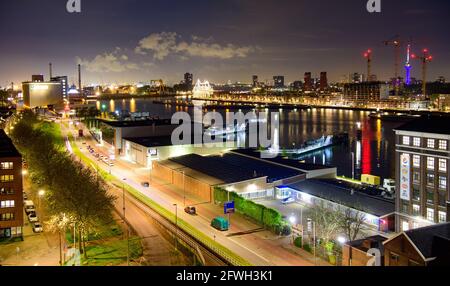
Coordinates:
(7, 148)
(428, 124)
(297, 164)
(369, 204)
(233, 168)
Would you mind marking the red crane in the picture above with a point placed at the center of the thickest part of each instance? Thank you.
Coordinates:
(425, 58)
(396, 43)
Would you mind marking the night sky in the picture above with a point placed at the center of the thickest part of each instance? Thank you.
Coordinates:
(121, 41)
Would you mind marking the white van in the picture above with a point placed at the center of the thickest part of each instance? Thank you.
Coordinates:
(29, 207)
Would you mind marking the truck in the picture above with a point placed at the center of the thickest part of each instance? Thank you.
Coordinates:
(220, 223)
(370, 180)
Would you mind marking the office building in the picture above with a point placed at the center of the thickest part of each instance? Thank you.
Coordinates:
(37, 78)
(323, 81)
(255, 81)
(42, 94)
(189, 80)
(366, 91)
(278, 81)
(308, 82)
(11, 189)
(64, 84)
(422, 172)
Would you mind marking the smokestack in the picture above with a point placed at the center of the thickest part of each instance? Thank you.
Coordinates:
(51, 71)
(79, 80)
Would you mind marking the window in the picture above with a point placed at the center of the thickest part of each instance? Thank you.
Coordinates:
(416, 142)
(430, 180)
(406, 140)
(416, 210)
(430, 214)
(415, 225)
(443, 165)
(6, 217)
(430, 143)
(6, 178)
(416, 177)
(7, 204)
(430, 197)
(430, 163)
(416, 161)
(6, 191)
(442, 183)
(442, 145)
(6, 165)
(442, 217)
(405, 208)
(416, 195)
(405, 226)
(442, 199)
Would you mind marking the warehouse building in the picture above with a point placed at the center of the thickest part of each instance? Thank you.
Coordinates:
(198, 175)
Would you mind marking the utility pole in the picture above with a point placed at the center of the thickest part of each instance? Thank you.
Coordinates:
(124, 221)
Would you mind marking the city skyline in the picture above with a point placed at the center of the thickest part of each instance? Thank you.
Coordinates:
(228, 40)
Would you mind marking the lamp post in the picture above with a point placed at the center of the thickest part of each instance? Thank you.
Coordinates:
(176, 226)
(124, 218)
(184, 188)
(41, 193)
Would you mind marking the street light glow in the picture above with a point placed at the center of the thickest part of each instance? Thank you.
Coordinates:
(41, 193)
(292, 219)
(341, 240)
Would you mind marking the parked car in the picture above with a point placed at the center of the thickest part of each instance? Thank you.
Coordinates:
(25, 196)
(37, 227)
(32, 217)
(145, 184)
(220, 223)
(287, 201)
(29, 207)
(190, 210)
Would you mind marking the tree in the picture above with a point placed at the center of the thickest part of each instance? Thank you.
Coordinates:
(327, 222)
(351, 223)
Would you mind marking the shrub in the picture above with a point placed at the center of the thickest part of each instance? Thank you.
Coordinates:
(298, 242)
(307, 248)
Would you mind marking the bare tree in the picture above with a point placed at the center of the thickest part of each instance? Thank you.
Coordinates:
(351, 223)
(327, 221)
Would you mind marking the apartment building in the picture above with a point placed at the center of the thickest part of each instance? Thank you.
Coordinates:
(422, 173)
(11, 189)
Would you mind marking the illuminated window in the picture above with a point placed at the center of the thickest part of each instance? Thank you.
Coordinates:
(6, 178)
(430, 214)
(416, 210)
(6, 217)
(6, 165)
(442, 217)
(430, 180)
(416, 161)
(430, 143)
(406, 140)
(405, 226)
(6, 191)
(430, 163)
(7, 204)
(416, 142)
(443, 165)
(416, 177)
(442, 183)
(416, 195)
(442, 145)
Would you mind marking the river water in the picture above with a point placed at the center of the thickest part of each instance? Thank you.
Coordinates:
(373, 152)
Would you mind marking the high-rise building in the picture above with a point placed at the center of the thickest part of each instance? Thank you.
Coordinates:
(278, 81)
(11, 189)
(422, 173)
(255, 81)
(64, 84)
(189, 80)
(323, 81)
(308, 82)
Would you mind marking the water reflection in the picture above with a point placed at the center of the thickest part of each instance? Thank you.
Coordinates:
(373, 151)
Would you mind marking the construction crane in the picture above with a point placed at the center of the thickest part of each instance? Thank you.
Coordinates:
(368, 56)
(396, 43)
(425, 58)
(159, 83)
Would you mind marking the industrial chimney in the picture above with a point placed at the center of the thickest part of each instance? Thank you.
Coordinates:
(79, 80)
(51, 70)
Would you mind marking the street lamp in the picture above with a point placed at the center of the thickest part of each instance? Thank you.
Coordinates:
(176, 226)
(128, 227)
(341, 240)
(41, 193)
